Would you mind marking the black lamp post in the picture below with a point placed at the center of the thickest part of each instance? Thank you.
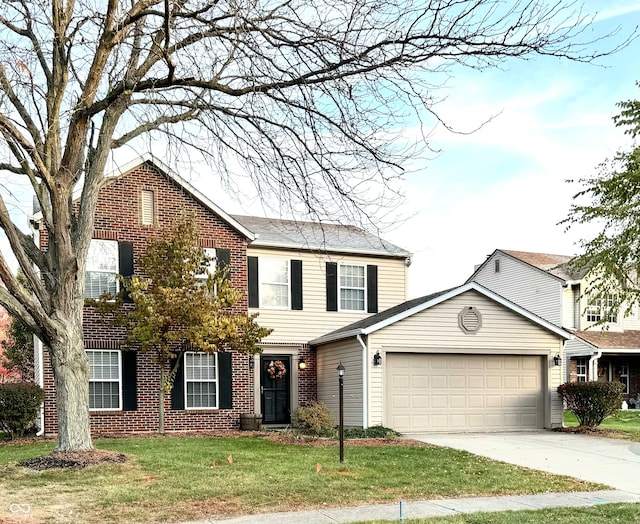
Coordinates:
(340, 369)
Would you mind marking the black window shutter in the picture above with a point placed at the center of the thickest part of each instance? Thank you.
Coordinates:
(332, 286)
(223, 260)
(296, 285)
(129, 381)
(372, 289)
(224, 376)
(177, 392)
(252, 281)
(125, 263)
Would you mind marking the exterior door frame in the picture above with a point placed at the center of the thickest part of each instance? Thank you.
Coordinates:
(275, 395)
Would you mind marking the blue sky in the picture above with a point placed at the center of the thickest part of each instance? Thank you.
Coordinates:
(504, 185)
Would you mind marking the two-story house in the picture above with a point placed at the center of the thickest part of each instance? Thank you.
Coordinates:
(302, 278)
(544, 284)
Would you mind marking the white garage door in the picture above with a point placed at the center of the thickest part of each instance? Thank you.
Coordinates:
(437, 392)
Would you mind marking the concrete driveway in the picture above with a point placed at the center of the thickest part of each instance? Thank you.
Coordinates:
(608, 461)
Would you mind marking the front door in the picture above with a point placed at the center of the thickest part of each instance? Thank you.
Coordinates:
(275, 378)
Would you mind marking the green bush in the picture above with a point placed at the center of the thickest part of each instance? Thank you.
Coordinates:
(19, 406)
(315, 419)
(372, 432)
(592, 402)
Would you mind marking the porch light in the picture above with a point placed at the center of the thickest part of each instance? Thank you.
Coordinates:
(302, 364)
(557, 360)
(377, 359)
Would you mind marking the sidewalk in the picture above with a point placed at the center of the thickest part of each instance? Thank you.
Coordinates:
(434, 508)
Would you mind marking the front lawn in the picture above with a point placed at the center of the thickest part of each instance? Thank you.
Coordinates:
(624, 424)
(185, 478)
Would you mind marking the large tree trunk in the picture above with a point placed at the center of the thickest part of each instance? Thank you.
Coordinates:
(71, 373)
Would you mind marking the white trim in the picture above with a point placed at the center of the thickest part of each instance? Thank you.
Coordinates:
(326, 249)
(119, 353)
(262, 260)
(364, 288)
(365, 382)
(216, 381)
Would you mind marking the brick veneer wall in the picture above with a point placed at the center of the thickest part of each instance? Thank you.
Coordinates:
(307, 378)
(118, 217)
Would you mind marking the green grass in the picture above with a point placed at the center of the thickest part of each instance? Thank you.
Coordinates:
(624, 424)
(600, 514)
(182, 478)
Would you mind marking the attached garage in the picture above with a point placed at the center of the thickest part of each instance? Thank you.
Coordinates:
(465, 359)
(454, 392)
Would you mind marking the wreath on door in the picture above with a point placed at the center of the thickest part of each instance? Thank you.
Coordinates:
(276, 369)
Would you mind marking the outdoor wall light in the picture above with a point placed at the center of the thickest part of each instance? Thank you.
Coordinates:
(377, 359)
(557, 360)
(302, 364)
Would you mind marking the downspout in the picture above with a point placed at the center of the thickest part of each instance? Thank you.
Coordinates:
(365, 383)
(594, 359)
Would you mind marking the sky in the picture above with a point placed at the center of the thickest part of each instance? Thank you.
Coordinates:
(504, 186)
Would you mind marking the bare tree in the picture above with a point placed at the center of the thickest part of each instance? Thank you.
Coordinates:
(309, 95)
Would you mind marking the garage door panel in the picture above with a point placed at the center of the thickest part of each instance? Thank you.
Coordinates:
(463, 392)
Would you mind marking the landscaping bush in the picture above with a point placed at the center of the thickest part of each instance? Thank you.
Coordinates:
(372, 432)
(592, 402)
(19, 406)
(315, 419)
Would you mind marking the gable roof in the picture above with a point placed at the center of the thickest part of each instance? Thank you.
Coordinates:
(392, 315)
(179, 181)
(292, 234)
(554, 265)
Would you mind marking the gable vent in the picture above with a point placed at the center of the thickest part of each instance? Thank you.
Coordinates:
(470, 320)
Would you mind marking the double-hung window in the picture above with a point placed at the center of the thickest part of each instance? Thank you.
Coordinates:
(601, 307)
(352, 287)
(102, 268)
(201, 380)
(105, 382)
(212, 260)
(275, 283)
(581, 369)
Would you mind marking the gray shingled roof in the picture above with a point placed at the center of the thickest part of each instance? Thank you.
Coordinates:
(273, 232)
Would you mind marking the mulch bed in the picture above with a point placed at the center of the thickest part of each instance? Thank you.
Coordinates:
(73, 459)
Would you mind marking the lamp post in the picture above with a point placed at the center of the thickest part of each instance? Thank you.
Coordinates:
(340, 369)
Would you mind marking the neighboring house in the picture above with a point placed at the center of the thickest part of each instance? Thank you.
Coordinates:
(544, 284)
(465, 359)
(304, 280)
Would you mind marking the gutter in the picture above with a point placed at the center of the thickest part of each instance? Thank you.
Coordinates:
(365, 383)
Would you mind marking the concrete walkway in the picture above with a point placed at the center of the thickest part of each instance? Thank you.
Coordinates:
(607, 461)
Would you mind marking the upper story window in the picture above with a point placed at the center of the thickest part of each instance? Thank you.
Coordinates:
(201, 380)
(105, 383)
(274, 283)
(148, 207)
(352, 283)
(102, 268)
(581, 369)
(496, 265)
(599, 308)
(212, 260)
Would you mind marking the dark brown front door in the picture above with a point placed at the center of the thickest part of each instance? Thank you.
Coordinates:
(275, 378)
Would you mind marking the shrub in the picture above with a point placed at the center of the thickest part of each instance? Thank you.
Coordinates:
(592, 402)
(315, 419)
(372, 432)
(19, 406)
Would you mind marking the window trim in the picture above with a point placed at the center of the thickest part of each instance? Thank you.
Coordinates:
(87, 270)
(119, 380)
(597, 308)
(340, 288)
(622, 368)
(261, 294)
(212, 253)
(187, 380)
(147, 207)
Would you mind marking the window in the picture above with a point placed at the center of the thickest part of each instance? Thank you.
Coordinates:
(581, 369)
(201, 380)
(496, 265)
(102, 268)
(274, 283)
(148, 208)
(211, 266)
(623, 374)
(105, 385)
(599, 307)
(352, 284)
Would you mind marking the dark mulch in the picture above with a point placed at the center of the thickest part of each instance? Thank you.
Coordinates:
(74, 459)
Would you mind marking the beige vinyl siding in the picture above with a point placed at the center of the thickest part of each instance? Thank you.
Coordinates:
(436, 330)
(314, 320)
(349, 352)
(530, 288)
